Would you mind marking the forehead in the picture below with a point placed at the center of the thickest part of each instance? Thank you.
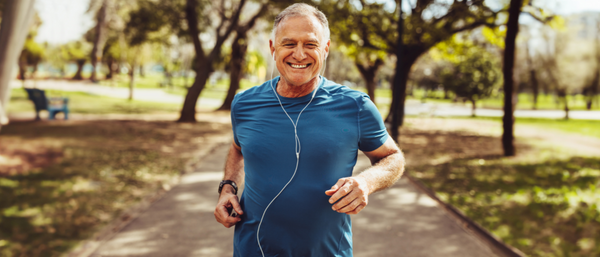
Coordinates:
(299, 28)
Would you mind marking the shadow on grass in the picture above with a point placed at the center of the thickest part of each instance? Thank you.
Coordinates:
(549, 208)
(102, 168)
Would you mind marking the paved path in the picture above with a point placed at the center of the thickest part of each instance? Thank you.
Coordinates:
(413, 107)
(400, 221)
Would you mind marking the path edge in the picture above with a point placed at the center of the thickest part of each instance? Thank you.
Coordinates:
(87, 247)
(495, 243)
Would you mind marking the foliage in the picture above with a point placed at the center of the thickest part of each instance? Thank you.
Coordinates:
(474, 72)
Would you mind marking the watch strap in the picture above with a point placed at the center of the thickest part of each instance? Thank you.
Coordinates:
(228, 182)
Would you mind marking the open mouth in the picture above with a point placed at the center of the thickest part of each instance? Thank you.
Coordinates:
(299, 66)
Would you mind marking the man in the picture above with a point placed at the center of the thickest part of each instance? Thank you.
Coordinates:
(296, 140)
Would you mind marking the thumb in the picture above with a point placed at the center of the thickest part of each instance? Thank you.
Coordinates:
(335, 187)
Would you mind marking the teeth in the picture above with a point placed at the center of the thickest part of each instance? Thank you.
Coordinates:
(298, 66)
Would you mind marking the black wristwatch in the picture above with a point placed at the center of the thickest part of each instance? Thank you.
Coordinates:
(230, 183)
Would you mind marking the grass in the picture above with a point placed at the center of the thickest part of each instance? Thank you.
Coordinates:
(545, 202)
(525, 101)
(81, 174)
(580, 127)
(546, 208)
(213, 89)
(80, 102)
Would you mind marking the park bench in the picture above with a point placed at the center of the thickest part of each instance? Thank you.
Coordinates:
(53, 105)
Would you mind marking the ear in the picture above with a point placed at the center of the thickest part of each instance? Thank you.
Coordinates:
(272, 48)
(327, 48)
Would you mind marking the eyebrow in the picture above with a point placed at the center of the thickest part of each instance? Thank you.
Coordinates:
(285, 39)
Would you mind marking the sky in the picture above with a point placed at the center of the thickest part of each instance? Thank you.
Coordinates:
(66, 20)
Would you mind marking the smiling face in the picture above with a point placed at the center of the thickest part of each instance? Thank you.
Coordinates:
(299, 50)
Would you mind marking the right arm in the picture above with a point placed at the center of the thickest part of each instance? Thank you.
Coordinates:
(234, 170)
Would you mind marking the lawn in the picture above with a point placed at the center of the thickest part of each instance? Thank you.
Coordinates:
(545, 201)
(80, 102)
(62, 181)
(580, 127)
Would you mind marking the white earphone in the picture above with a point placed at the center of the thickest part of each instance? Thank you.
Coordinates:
(297, 150)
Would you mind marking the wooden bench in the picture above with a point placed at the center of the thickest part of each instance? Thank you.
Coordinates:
(53, 105)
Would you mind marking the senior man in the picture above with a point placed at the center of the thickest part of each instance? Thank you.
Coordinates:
(296, 139)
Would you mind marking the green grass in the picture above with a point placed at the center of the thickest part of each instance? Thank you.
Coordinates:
(217, 90)
(85, 103)
(580, 127)
(525, 102)
(546, 208)
(86, 173)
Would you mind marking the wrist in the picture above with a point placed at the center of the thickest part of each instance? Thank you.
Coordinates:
(228, 189)
(228, 185)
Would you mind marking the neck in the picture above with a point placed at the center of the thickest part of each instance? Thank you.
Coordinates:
(292, 91)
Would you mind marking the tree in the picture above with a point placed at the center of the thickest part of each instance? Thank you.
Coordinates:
(592, 89)
(77, 52)
(408, 35)
(512, 28)
(31, 55)
(228, 21)
(473, 75)
(16, 19)
(239, 46)
(100, 33)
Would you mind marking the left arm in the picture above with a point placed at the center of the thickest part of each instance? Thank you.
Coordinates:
(353, 192)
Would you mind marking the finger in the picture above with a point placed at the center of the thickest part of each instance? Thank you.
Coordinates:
(343, 191)
(230, 221)
(221, 213)
(346, 200)
(335, 187)
(236, 205)
(351, 206)
(358, 209)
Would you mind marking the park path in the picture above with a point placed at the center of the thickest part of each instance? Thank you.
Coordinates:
(413, 107)
(400, 221)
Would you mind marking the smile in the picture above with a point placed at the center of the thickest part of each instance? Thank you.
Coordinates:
(299, 66)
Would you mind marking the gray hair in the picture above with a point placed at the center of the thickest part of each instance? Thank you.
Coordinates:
(301, 9)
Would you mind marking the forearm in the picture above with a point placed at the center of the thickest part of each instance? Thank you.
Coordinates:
(384, 172)
(234, 168)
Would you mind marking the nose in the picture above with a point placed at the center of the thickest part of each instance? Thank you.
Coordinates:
(299, 53)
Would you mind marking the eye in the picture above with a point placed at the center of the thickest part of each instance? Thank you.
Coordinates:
(311, 46)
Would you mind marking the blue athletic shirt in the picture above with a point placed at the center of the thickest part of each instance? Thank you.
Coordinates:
(300, 222)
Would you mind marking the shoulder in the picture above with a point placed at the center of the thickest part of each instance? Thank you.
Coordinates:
(343, 92)
(253, 93)
(335, 89)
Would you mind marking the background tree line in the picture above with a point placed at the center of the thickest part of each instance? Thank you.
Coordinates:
(465, 49)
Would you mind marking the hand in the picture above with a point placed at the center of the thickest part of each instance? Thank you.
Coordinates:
(228, 200)
(352, 193)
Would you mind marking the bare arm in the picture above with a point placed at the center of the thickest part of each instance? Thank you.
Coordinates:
(353, 192)
(234, 170)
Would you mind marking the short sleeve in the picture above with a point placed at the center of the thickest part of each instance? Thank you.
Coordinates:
(373, 133)
(233, 119)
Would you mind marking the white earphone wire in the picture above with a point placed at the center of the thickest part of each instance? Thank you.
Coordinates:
(297, 150)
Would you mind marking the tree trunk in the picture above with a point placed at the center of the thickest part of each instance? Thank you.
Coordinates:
(188, 112)
(141, 69)
(369, 74)
(536, 88)
(16, 18)
(131, 80)
(99, 40)
(509, 62)
(204, 62)
(110, 63)
(404, 62)
(473, 107)
(80, 64)
(238, 52)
